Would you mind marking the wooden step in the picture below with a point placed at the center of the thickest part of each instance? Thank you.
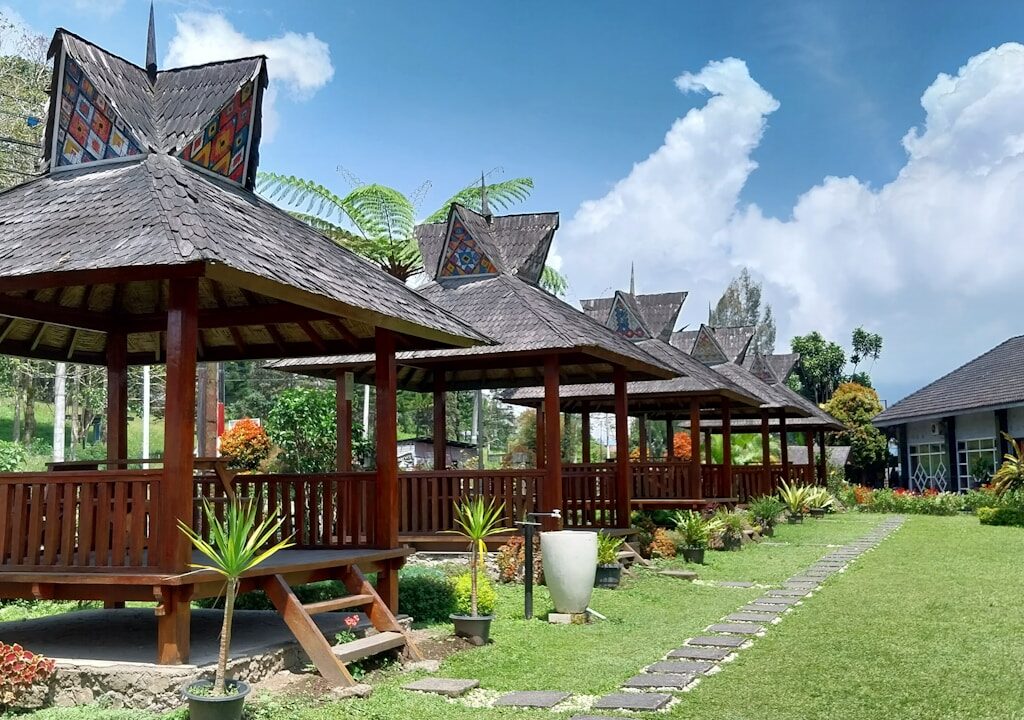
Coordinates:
(369, 645)
(342, 603)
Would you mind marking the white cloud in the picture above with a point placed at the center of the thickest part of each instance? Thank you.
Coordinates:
(300, 63)
(931, 260)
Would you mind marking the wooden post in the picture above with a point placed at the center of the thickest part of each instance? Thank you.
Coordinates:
(766, 455)
(709, 457)
(809, 442)
(343, 418)
(585, 431)
(623, 501)
(641, 429)
(175, 491)
(670, 436)
(822, 459)
(784, 446)
(552, 442)
(117, 397)
(540, 437)
(695, 446)
(440, 422)
(387, 461)
(727, 447)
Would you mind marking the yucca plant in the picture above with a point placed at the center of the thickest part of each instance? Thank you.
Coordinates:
(819, 498)
(238, 543)
(794, 496)
(766, 510)
(1009, 478)
(477, 521)
(696, 530)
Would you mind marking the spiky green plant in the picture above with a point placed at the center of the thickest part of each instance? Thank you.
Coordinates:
(794, 496)
(1009, 478)
(766, 510)
(819, 498)
(608, 549)
(477, 521)
(238, 543)
(695, 529)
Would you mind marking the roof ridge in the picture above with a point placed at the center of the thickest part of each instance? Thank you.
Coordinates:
(98, 47)
(168, 212)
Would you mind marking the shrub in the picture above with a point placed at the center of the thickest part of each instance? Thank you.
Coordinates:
(980, 498)
(766, 510)
(900, 500)
(302, 422)
(12, 455)
(486, 597)
(730, 527)
(425, 594)
(1001, 516)
(246, 443)
(608, 549)
(511, 560)
(20, 670)
(694, 530)
(1010, 475)
(662, 545)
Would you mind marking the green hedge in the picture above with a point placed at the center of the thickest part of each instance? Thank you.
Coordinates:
(425, 594)
(1001, 516)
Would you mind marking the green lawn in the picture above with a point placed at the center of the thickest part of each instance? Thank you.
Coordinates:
(926, 626)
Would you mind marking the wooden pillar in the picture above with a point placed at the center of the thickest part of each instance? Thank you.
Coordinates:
(623, 501)
(440, 422)
(540, 437)
(809, 442)
(117, 396)
(387, 461)
(823, 459)
(343, 418)
(727, 447)
(670, 436)
(766, 444)
(709, 456)
(695, 445)
(552, 443)
(784, 445)
(641, 428)
(585, 431)
(175, 492)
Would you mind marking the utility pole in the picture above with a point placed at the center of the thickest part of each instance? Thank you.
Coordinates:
(59, 410)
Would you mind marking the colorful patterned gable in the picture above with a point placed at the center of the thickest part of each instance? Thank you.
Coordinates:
(762, 370)
(463, 256)
(706, 348)
(625, 322)
(89, 129)
(223, 144)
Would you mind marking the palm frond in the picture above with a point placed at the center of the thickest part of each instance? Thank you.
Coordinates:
(500, 196)
(380, 212)
(300, 193)
(337, 233)
(553, 281)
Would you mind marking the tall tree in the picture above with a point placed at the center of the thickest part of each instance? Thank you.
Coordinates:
(820, 370)
(855, 405)
(24, 74)
(866, 346)
(741, 305)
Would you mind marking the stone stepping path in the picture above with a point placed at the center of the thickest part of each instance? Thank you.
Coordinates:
(683, 667)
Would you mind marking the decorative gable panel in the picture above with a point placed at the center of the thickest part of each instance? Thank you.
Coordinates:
(462, 256)
(706, 349)
(88, 127)
(625, 322)
(762, 370)
(222, 146)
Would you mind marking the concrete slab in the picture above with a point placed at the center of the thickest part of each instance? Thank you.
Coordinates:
(737, 628)
(449, 687)
(720, 641)
(633, 701)
(657, 681)
(749, 617)
(681, 667)
(689, 652)
(531, 699)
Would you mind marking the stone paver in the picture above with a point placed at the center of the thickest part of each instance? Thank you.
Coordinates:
(749, 617)
(656, 681)
(689, 652)
(633, 701)
(805, 579)
(531, 699)
(763, 608)
(778, 600)
(682, 667)
(679, 574)
(736, 628)
(785, 592)
(721, 641)
(449, 687)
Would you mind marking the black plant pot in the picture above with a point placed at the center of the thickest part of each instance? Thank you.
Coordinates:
(694, 555)
(768, 531)
(732, 543)
(794, 519)
(474, 628)
(608, 576)
(215, 707)
(817, 512)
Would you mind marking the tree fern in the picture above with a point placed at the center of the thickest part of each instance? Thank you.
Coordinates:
(500, 196)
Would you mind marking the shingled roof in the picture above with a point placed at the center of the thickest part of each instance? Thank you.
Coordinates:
(734, 341)
(126, 205)
(657, 311)
(527, 323)
(991, 381)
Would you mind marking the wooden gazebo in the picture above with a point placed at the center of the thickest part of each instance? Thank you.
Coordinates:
(143, 243)
(485, 270)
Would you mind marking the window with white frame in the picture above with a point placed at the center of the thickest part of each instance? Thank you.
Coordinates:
(929, 467)
(977, 459)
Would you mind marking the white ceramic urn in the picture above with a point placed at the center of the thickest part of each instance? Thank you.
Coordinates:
(570, 562)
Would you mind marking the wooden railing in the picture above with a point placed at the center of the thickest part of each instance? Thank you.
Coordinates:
(713, 482)
(77, 519)
(324, 510)
(664, 480)
(588, 495)
(426, 500)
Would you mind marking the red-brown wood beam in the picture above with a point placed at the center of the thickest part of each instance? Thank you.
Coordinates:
(585, 431)
(766, 448)
(727, 446)
(117, 396)
(236, 334)
(277, 338)
(623, 500)
(347, 334)
(539, 445)
(784, 445)
(695, 444)
(822, 459)
(552, 444)
(313, 335)
(670, 436)
(809, 443)
(343, 418)
(641, 431)
(440, 422)
(179, 424)
(387, 442)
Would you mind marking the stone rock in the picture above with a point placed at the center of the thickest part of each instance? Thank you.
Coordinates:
(568, 618)
(690, 652)
(429, 666)
(679, 574)
(736, 628)
(356, 691)
(721, 641)
(651, 681)
(748, 617)
(633, 701)
(449, 687)
(531, 699)
(682, 667)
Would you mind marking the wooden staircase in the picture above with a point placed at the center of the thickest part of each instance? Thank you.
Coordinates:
(330, 660)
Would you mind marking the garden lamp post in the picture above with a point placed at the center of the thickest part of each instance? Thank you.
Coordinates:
(530, 526)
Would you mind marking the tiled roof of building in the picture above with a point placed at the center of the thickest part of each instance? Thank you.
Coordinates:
(658, 311)
(734, 341)
(994, 379)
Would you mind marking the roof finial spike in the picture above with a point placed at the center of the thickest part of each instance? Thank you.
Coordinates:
(485, 210)
(151, 46)
(632, 278)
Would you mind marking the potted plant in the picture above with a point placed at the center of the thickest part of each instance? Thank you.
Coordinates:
(476, 521)
(795, 498)
(237, 543)
(695, 532)
(730, 528)
(819, 500)
(609, 571)
(766, 510)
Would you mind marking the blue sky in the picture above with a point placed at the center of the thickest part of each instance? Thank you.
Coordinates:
(575, 93)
